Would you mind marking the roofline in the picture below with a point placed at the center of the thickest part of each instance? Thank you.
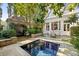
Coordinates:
(73, 12)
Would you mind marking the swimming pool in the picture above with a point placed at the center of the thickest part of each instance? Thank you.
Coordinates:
(41, 48)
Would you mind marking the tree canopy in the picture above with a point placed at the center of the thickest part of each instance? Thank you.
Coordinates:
(72, 18)
(36, 11)
(31, 9)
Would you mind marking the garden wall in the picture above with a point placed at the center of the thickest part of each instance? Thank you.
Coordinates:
(12, 40)
(5, 42)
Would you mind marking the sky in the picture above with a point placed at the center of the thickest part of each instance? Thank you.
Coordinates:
(4, 11)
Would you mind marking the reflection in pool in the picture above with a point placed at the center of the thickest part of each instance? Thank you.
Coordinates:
(41, 48)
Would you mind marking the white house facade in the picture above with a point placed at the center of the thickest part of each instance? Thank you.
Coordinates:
(57, 26)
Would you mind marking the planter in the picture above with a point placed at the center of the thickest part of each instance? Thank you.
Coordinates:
(13, 40)
(5, 42)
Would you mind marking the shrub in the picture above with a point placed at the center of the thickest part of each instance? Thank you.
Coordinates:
(0, 34)
(34, 30)
(75, 42)
(1, 28)
(75, 31)
(38, 30)
(8, 33)
(75, 36)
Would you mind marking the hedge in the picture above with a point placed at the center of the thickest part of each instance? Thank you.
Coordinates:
(75, 42)
(75, 31)
(75, 36)
(34, 30)
(7, 33)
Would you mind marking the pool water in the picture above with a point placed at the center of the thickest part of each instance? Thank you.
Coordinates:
(41, 48)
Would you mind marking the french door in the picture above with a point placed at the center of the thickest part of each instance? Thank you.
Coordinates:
(66, 29)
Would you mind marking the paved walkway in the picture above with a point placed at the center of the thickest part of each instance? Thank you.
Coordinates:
(65, 49)
(15, 49)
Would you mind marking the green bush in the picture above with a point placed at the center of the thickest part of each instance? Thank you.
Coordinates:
(39, 30)
(1, 28)
(7, 33)
(75, 42)
(33, 30)
(75, 36)
(75, 31)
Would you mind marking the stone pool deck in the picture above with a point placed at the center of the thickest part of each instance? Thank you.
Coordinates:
(65, 49)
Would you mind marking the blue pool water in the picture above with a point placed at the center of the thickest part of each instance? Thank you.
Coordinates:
(41, 48)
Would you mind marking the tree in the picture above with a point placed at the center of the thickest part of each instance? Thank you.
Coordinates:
(72, 18)
(72, 6)
(36, 12)
(19, 9)
(22, 8)
(10, 7)
(32, 12)
(40, 14)
(57, 8)
(26, 10)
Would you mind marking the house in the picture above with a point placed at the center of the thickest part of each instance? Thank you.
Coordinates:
(18, 23)
(58, 26)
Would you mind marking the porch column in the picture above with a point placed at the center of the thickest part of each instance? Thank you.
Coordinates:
(50, 28)
(58, 25)
(44, 28)
(61, 27)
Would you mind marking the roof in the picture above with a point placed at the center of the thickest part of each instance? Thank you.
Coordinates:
(17, 20)
(66, 13)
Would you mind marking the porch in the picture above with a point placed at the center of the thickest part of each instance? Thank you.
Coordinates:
(58, 28)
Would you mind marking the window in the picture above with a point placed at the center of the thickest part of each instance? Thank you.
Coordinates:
(66, 27)
(47, 26)
(54, 25)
